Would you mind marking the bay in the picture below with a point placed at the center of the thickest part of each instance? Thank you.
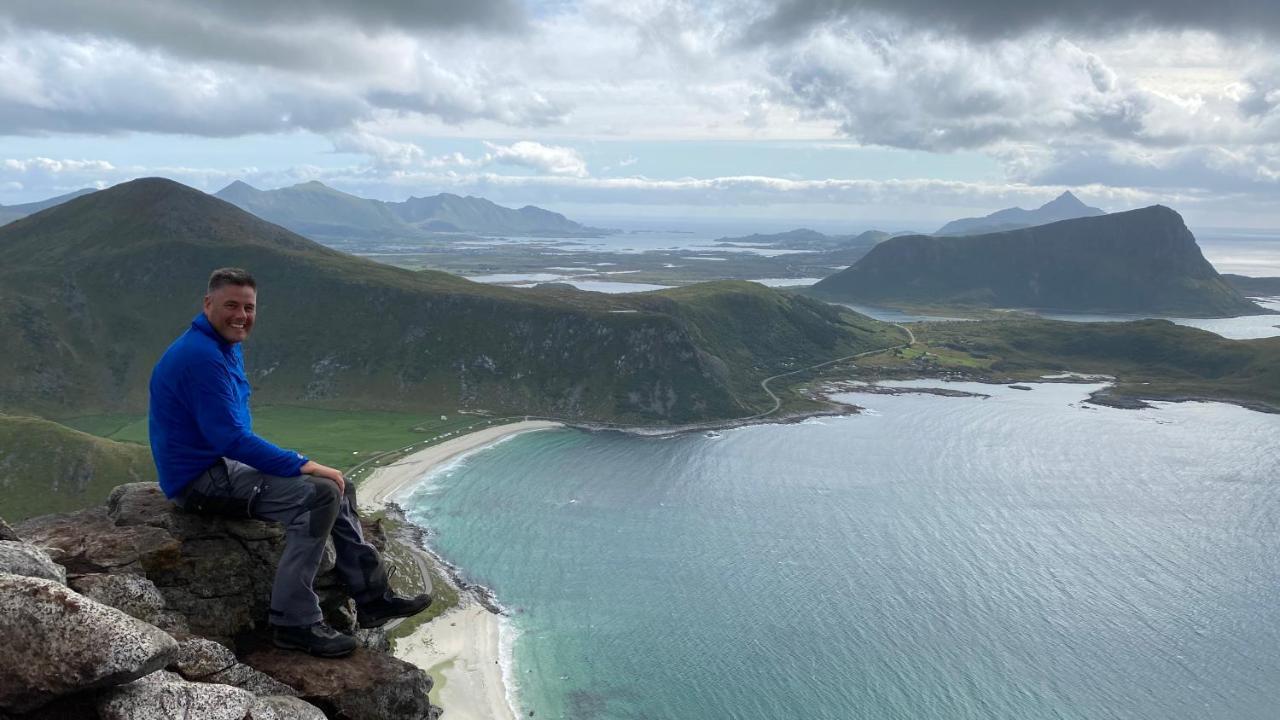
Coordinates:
(1024, 556)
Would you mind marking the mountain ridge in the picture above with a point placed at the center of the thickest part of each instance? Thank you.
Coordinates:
(93, 290)
(1064, 207)
(313, 208)
(1142, 260)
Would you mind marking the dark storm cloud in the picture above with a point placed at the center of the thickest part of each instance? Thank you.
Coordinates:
(278, 34)
(987, 19)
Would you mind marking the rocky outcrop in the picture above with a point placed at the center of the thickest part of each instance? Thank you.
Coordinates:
(366, 686)
(21, 558)
(59, 642)
(155, 605)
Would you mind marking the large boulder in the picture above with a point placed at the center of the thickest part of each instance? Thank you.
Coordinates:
(128, 593)
(19, 558)
(6, 532)
(60, 642)
(215, 572)
(363, 686)
(164, 695)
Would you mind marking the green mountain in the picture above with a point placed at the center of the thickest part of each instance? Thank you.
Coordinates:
(1064, 207)
(1141, 261)
(316, 209)
(46, 467)
(9, 213)
(92, 291)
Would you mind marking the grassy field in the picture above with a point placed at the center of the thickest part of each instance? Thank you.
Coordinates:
(340, 438)
(1150, 359)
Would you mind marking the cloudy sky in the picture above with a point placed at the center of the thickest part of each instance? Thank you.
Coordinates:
(829, 113)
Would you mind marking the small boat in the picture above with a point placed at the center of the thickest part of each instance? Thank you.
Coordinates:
(712, 434)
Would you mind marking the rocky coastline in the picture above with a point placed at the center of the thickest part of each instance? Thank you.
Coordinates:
(138, 610)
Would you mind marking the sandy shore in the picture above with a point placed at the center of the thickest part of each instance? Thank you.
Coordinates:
(383, 483)
(460, 649)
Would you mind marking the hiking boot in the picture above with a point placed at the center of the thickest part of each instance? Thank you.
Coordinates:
(318, 639)
(376, 613)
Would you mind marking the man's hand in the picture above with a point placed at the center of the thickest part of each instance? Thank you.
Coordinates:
(311, 467)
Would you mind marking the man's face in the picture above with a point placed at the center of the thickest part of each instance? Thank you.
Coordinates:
(230, 310)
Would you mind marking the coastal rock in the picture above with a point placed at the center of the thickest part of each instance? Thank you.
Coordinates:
(246, 678)
(131, 594)
(214, 572)
(164, 695)
(89, 542)
(6, 532)
(198, 658)
(60, 642)
(364, 686)
(21, 558)
(289, 708)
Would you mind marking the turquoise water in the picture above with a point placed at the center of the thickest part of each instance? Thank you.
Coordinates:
(1024, 556)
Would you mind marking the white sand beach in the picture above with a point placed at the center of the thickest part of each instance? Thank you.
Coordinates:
(460, 649)
(383, 483)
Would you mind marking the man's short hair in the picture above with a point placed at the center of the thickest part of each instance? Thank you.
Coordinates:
(231, 276)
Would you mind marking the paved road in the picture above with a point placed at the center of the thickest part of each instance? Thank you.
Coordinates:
(777, 402)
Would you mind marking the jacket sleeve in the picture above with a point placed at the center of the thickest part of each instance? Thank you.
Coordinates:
(215, 407)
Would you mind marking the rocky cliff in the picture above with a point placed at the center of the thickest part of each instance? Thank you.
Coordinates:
(137, 610)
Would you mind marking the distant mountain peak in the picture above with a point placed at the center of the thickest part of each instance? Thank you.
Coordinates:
(1064, 207)
(238, 185)
(1064, 201)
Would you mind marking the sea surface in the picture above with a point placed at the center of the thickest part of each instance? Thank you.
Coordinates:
(1025, 556)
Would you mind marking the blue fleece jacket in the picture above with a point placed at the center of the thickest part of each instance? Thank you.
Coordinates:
(200, 412)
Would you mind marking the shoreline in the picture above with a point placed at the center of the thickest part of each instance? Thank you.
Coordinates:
(463, 648)
(377, 489)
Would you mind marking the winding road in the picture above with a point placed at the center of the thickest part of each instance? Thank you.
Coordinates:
(777, 401)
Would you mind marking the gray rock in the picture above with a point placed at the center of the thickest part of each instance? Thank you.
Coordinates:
(131, 594)
(166, 696)
(363, 686)
(373, 639)
(59, 642)
(198, 658)
(21, 558)
(287, 708)
(246, 678)
(214, 572)
(7, 533)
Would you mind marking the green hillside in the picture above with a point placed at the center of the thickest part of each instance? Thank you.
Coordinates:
(1150, 359)
(46, 467)
(94, 290)
(1141, 261)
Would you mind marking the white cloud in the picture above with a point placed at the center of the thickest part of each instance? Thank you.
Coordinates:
(547, 158)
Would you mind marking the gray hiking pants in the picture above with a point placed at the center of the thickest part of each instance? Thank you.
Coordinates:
(311, 510)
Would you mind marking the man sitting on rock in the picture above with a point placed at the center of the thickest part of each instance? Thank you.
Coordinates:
(210, 461)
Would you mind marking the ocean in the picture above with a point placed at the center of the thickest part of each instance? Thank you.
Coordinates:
(1024, 556)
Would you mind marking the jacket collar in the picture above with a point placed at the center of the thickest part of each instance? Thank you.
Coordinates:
(201, 323)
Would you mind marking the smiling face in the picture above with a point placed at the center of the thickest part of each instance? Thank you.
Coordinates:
(231, 310)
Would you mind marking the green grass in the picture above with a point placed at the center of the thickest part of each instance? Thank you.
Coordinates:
(1151, 359)
(340, 438)
(49, 468)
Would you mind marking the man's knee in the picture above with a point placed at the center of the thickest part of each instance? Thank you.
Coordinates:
(322, 505)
